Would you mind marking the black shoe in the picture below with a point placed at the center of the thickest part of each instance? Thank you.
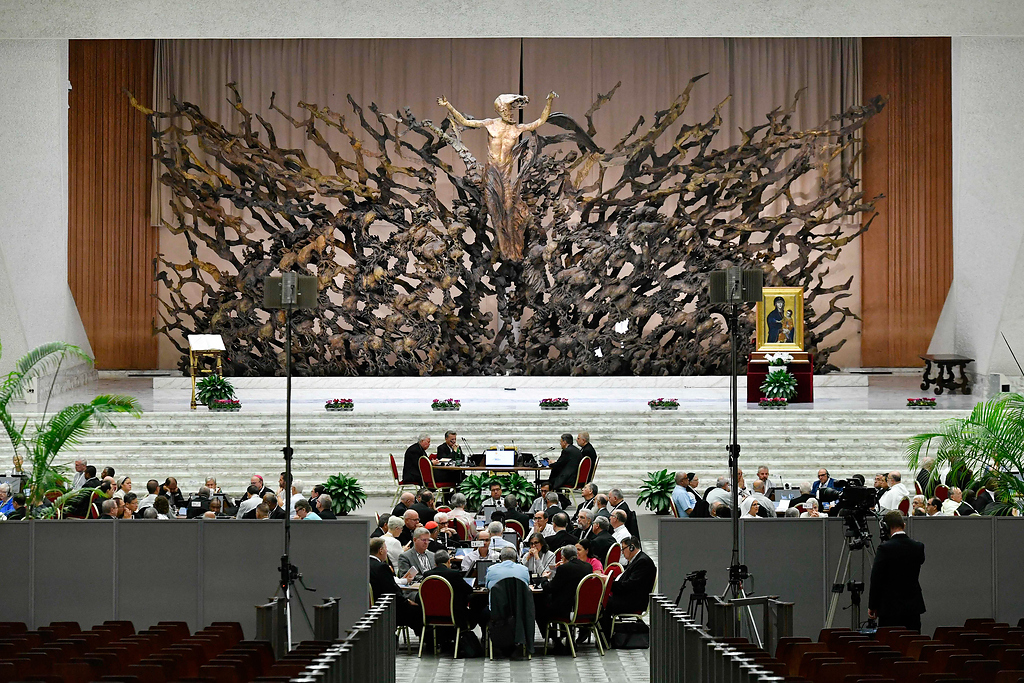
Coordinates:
(583, 638)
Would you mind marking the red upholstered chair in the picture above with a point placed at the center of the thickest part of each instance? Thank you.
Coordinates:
(461, 529)
(399, 484)
(613, 556)
(582, 477)
(515, 526)
(427, 475)
(941, 492)
(672, 506)
(437, 600)
(904, 506)
(585, 613)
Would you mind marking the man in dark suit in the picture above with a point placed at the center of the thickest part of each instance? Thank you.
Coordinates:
(589, 493)
(425, 507)
(323, 507)
(18, 499)
(632, 590)
(617, 502)
(382, 582)
(405, 502)
(91, 481)
(411, 463)
(587, 451)
(107, 509)
(563, 470)
(512, 511)
(461, 589)
(561, 537)
(924, 476)
(895, 595)
(560, 591)
(601, 539)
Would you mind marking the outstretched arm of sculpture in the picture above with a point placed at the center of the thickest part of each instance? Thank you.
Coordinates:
(457, 115)
(543, 115)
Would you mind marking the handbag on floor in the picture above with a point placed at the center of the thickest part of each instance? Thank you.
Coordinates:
(633, 635)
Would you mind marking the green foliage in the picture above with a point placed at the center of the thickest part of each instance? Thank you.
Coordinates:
(779, 384)
(656, 490)
(988, 444)
(38, 448)
(212, 388)
(475, 486)
(346, 493)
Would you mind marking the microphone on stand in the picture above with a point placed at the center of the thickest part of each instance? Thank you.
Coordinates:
(467, 456)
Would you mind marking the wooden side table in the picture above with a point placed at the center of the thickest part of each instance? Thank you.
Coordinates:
(945, 378)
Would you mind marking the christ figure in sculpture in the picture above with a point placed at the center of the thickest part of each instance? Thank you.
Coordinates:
(509, 214)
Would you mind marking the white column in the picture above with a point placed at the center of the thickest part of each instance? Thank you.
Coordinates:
(36, 305)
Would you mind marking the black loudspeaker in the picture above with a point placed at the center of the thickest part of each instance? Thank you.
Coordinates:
(735, 286)
(297, 291)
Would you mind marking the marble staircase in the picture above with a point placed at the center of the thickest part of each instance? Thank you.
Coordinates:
(232, 446)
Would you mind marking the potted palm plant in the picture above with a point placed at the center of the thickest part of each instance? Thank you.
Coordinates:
(987, 445)
(39, 442)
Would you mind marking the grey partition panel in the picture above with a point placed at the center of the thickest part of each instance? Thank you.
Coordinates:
(16, 596)
(957, 577)
(686, 545)
(333, 557)
(1009, 552)
(74, 571)
(240, 569)
(785, 559)
(158, 571)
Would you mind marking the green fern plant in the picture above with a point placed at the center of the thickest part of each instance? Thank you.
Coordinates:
(214, 388)
(656, 491)
(779, 384)
(986, 446)
(39, 447)
(346, 493)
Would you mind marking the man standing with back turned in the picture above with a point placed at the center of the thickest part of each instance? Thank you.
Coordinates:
(895, 596)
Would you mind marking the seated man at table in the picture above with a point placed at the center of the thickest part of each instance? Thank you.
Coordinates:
(540, 525)
(560, 593)
(484, 552)
(411, 462)
(565, 469)
(559, 522)
(405, 502)
(460, 589)
(631, 591)
(508, 566)
(425, 507)
(512, 511)
(495, 529)
(417, 556)
(458, 503)
(442, 535)
(382, 582)
(539, 503)
(601, 540)
(493, 503)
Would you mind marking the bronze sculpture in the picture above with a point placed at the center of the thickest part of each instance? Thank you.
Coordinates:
(509, 214)
(612, 277)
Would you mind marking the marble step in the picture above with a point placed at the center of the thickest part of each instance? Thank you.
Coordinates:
(231, 447)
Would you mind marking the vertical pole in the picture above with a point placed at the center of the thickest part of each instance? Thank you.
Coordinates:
(286, 581)
(734, 450)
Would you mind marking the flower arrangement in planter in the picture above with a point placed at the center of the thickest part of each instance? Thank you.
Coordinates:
(339, 404)
(780, 382)
(773, 402)
(554, 404)
(921, 402)
(663, 404)
(445, 404)
(214, 388)
(225, 405)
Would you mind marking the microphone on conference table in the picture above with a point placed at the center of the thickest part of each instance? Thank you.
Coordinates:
(465, 443)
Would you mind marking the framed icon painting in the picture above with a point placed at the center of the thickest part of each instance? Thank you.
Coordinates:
(780, 319)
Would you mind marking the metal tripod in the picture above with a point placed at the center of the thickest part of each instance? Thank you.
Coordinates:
(843, 581)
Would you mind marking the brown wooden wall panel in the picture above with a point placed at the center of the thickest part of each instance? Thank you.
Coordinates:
(111, 244)
(907, 255)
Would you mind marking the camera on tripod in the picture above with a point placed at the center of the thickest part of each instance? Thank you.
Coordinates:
(697, 579)
(853, 503)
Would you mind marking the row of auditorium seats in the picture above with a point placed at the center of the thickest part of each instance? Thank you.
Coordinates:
(166, 653)
(982, 651)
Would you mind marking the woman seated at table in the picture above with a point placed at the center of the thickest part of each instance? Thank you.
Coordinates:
(583, 553)
(749, 507)
(538, 558)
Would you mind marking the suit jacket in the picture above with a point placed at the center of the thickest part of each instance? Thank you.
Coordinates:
(632, 591)
(399, 510)
(521, 517)
(563, 471)
(599, 545)
(18, 513)
(924, 477)
(411, 464)
(426, 514)
(276, 513)
(562, 586)
(560, 539)
(895, 587)
(329, 514)
(461, 589)
(588, 452)
(91, 483)
(408, 559)
(382, 579)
